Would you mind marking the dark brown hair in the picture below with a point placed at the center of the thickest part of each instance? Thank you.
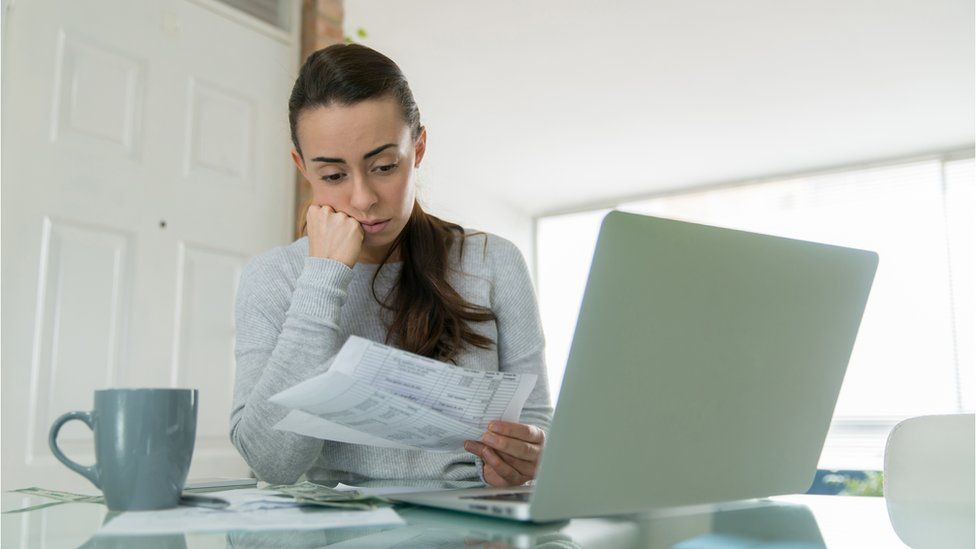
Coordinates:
(430, 317)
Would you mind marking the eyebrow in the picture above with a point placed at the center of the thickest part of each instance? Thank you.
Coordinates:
(373, 152)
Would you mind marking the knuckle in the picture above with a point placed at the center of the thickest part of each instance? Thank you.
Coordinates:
(524, 468)
(511, 475)
(502, 468)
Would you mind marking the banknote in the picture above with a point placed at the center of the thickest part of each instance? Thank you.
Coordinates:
(69, 497)
(58, 497)
(324, 496)
(310, 490)
(307, 493)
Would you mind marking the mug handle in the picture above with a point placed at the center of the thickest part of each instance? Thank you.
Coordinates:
(52, 440)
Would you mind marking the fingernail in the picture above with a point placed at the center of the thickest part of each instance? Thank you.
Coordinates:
(492, 426)
(489, 438)
(467, 445)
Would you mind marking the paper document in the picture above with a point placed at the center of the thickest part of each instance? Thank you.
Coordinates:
(250, 510)
(381, 396)
(195, 519)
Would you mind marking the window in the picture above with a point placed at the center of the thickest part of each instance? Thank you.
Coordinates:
(914, 351)
(273, 12)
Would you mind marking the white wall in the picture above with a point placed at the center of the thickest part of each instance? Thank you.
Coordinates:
(553, 105)
(469, 208)
(451, 185)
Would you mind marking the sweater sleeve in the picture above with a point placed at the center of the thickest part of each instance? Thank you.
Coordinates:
(283, 337)
(521, 342)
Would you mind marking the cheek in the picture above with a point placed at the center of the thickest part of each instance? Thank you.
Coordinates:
(400, 197)
(323, 196)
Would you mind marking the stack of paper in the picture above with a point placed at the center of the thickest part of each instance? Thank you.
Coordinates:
(381, 396)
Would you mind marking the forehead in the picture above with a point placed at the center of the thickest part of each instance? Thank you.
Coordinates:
(356, 128)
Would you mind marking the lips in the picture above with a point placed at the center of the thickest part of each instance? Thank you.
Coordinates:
(375, 226)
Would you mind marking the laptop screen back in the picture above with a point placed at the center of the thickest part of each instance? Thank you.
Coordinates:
(705, 367)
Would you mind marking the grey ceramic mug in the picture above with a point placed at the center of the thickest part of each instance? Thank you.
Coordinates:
(143, 445)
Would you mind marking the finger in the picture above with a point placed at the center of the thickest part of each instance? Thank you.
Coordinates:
(319, 210)
(526, 468)
(513, 446)
(493, 478)
(521, 431)
(503, 469)
(474, 447)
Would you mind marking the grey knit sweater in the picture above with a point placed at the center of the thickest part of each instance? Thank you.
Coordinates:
(294, 312)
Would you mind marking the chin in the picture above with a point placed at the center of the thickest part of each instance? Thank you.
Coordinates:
(379, 239)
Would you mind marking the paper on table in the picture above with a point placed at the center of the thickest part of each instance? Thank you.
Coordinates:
(250, 509)
(375, 394)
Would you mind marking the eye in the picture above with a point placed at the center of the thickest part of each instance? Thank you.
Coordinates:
(388, 168)
(332, 178)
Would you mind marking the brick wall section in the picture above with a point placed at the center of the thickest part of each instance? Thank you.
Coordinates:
(321, 24)
(321, 27)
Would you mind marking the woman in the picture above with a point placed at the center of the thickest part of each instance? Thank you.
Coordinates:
(374, 264)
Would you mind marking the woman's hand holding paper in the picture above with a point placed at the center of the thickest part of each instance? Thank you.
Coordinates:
(511, 452)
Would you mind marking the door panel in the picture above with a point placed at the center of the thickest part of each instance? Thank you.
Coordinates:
(82, 300)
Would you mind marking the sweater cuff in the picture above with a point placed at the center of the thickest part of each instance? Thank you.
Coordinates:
(480, 465)
(320, 290)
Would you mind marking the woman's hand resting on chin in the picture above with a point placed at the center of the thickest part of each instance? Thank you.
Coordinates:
(333, 235)
(511, 452)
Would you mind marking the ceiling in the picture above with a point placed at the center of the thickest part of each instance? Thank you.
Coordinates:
(555, 105)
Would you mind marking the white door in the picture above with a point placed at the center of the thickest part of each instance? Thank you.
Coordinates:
(145, 157)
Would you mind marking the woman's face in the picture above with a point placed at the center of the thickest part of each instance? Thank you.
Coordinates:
(360, 160)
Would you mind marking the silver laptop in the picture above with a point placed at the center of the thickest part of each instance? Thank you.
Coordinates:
(705, 367)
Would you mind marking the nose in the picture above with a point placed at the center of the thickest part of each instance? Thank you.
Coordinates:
(363, 197)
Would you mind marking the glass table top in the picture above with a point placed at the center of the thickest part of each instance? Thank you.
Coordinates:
(781, 522)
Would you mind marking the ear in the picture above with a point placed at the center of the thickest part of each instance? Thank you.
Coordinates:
(421, 146)
(297, 159)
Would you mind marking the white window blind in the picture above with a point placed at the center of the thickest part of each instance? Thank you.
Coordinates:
(914, 351)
